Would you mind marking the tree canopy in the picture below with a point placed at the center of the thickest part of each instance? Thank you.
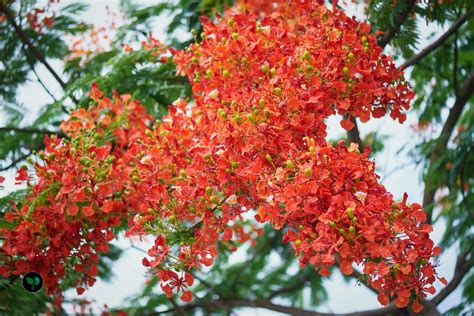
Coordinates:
(218, 138)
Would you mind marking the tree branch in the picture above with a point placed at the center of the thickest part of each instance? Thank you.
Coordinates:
(177, 308)
(454, 114)
(32, 66)
(21, 158)
(259, 303)
(463, 266)
(290, 288)
(452, 30)
(356, 274)
(32, 48)
(390, 33)
(353, 135)
(455, 64)
(45, 87)
(29, 130)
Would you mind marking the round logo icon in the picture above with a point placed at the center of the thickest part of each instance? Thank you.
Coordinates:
(32, 282)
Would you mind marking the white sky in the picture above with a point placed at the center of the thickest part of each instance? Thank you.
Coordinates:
(129, 274)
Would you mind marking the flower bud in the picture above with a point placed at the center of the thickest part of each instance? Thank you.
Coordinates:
(306, 55)
(214, 199)
(85, 161)
(350, 212)
(289, 164)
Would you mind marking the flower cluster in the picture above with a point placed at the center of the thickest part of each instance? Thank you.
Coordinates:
(95, 39)
(264, 83)
(264, 78)
(66, 220)
(38, 18)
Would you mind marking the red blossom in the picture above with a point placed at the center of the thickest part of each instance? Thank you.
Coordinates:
(253, 139)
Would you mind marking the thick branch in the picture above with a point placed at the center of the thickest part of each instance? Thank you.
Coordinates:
(390, 33)
(452, 30)
(259, 303)
(455, 65)
(353, 135)
(463, 266)
(32, 48)
(454, 114)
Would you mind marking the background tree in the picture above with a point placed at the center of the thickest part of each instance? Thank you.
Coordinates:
(442, 74)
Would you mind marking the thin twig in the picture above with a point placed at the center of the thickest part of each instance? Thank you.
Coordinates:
(428, 49)
(391, 31)
(34, 50)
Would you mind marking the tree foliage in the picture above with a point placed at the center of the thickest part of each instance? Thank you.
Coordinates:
(138, 67)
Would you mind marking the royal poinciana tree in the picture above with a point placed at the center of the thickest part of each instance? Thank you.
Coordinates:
(242, 155)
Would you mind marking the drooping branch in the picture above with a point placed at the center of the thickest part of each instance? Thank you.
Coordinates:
(428, 49)
(390, 33)
(32, 48)
(463, 96)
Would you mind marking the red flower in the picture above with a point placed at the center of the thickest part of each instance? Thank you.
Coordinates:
(22, 175)
(254, 138)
